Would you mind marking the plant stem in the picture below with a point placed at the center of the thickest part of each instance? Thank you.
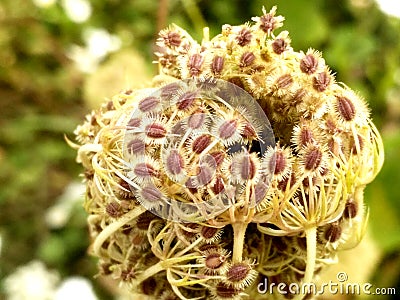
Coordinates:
(311, 238)
(239, 231)
(114, 226)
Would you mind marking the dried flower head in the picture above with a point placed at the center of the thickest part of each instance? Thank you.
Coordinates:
(195, 185)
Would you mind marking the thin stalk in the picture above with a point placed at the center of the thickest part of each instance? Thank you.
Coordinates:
(239, 231)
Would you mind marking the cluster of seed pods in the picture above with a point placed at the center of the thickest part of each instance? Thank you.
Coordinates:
(244, 161)
(194, 148)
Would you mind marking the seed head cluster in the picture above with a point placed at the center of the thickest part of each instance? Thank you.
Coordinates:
(245, 159)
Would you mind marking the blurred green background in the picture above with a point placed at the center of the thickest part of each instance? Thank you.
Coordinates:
(59, 58)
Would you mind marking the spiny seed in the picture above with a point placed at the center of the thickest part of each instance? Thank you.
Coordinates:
(208, 232)
(217, 65)
(218, 186)
(267, 23)
(306, 136)
(248, 131)
(226, 291)
(260, 190)
(149, 103)
(321, 81)
(279, 46)
(238, 272)
(218, 157)
(200, 143)
(197, 120)
(298, 96)
(134, 123)
(172, 38)
(278, 163)
(214, 261)
(195, 63)
(136, 146)
(346, 108)
(309, 64)
(205, 175)
(284, 81)
(313, 159)
(247, 59)
(151, 193)
(143, 221)
(350, 209)
(155, 131)
(333, 232)
(244, 37)
(114, 210)
(334, 146)
(175, 162)
(248, 168)
(207, 248)
(186, 100)
(227, 129)
(145, 170)
(169, 90)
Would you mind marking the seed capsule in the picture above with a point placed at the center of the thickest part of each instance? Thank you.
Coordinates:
(345, 108)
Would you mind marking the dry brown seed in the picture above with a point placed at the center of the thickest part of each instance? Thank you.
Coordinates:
(244, 37)
(267, 23)
(208, 232)
(143, 221)
(205, 174)
(226, 291)
(136, 146)
(247, 168)
(149, 103)
(134, 123)
(217, 65)
(279, 46)
(218, 157)
(192, 230)
(321, 81)
(227, 129)
(306, 136)
(278, 163)
(175, 162)
(248, 131)
(195, 63)
(195, 121)
(218, 186)
(238, 272)
(351, 209)
(313, 159)
(346, 108)
(155, 131)
(114, 210)
(214, 261)
(333, 232)
(309, 64)
(284, 81)
(186, 100)
(151, 193)
(200, 143)
(172, 38)
(145, 170)
(247, 59)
